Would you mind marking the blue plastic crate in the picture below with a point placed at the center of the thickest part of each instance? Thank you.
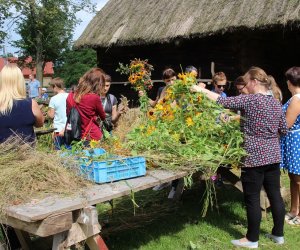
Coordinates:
(113, 169)
(94, 152)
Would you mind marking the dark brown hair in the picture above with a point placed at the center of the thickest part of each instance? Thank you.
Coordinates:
(168, 73)
(57, 82)
(91, 82)
(293, 75)
(107, 78)
(239, 81)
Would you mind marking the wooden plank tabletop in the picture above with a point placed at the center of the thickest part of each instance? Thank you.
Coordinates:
(40, 210)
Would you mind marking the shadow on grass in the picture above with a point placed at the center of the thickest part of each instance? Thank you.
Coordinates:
(158, 217)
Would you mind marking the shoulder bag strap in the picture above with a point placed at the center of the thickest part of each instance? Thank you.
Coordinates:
(109, 102)
(88, 128)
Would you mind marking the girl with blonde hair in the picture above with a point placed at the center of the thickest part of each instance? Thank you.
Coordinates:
(18, 114)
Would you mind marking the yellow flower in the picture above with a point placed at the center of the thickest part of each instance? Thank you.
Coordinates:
(183, 77)
(117, 144)
(176, 137)
(151, 115)
(199, 98)
(189, 121)
(94, 144)
(159, 106)
(170, 117)
(150, 130)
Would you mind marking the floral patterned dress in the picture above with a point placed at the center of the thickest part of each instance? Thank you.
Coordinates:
(290, 144)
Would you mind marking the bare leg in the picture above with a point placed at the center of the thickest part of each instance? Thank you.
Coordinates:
(295, 193)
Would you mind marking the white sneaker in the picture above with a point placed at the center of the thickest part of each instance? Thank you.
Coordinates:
(172, 193)
(161, 186)
(245, 244)
(277, 239)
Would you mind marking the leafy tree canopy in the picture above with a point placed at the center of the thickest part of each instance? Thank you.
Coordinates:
(46, 27)
(74, 63)
(4, 14)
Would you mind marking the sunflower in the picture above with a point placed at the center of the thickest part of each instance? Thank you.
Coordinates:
(189, 122)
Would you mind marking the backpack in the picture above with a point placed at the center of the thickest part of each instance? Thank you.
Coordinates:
(73, 126)
(107, 122)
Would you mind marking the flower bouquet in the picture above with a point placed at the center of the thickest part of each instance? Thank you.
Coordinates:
(139, 76)
(184, 131)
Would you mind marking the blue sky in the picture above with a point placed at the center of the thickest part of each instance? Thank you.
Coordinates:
(84, 16)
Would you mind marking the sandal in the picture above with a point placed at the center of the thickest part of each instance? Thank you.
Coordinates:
(289, 216)
(295, 221)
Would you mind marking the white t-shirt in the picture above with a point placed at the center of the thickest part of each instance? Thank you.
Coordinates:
(58, 103)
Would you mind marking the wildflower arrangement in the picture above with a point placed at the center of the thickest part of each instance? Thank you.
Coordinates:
(187, 131)
(139, 76)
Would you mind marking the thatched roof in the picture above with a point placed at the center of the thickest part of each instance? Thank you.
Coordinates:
(133, 22)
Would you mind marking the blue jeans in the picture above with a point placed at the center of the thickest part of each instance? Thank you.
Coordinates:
(253, 178)
(60, 141)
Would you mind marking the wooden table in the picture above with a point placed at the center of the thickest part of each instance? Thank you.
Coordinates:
(40, 132)
(72, 219)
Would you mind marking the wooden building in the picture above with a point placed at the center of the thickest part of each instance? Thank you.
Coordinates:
(234, 34)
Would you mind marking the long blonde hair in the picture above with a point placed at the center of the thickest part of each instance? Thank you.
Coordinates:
(275, 89)
(12, 87)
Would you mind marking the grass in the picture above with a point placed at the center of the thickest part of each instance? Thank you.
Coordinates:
(162, 224)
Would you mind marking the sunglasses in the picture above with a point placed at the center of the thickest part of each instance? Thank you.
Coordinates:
(221, 86)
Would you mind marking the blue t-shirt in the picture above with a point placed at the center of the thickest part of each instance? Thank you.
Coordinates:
(19, 121)
(34, 88)
(223, 94)
(45, 96)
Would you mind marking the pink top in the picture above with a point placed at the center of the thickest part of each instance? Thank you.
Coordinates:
(89, 108)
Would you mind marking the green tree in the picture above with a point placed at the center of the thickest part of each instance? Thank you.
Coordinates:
(46, 27)
(4, 15)
(74, 63)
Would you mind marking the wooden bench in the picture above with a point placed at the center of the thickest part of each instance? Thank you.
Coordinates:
(72, 219)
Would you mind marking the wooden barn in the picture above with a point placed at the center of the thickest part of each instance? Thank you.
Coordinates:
(234, 34)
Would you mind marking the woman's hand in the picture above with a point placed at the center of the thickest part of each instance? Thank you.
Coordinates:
(202, 85)
(121, 109)
(141, 93)
(39, 118)
(196, 88)
(61, 133)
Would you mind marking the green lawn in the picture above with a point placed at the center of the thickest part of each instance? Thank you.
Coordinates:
(162, 224)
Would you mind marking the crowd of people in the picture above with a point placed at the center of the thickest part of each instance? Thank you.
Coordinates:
(258, 101)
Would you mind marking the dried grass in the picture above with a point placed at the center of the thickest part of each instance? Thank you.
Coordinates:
(26, 174)
(127, 122)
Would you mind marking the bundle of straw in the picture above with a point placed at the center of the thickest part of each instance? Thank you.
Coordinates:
(26, 174)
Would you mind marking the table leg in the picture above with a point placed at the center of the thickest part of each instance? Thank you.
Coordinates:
(59, 241)
(24, 239)
(96, 243)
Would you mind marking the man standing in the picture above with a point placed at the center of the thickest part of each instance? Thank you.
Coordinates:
(34, 87)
